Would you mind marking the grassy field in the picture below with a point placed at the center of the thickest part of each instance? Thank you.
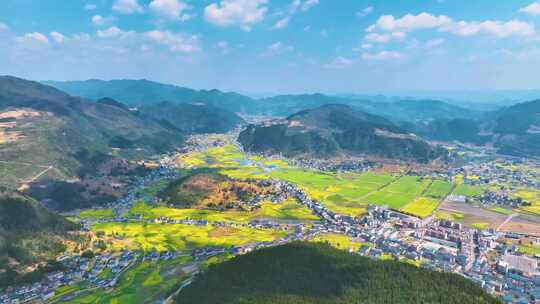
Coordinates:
(143, 283)
(287, 210)
(532, 196)
(480, 225)
(468, 190)
(439, 189)
(451, 216)
(97, 214)
(163, 237)
(401, 192)
(421, 207)
(347, 194)
(341, 193)
(532, 250)
(339, 241)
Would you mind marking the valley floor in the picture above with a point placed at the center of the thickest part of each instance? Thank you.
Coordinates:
(147, 251)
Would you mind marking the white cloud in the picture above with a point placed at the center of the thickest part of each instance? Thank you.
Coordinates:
(3, 27)
(364, 12)
(174, 9)
(90, 7)
(494, 28)
(338, 63)
(409, 22)
(366, 45)
(101, 21)
(442, 23)
(176, 42)
(308, 4)
(58, 37)
(35, 36)
(382, 55)
(127, 6)
(383, 38)
(532, 9)
(282, 23)
(244, 13)
(294, 8)
(276, 49)
(112, 32)
(433, 43)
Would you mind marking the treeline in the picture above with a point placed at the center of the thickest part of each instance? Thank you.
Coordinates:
(317, 273)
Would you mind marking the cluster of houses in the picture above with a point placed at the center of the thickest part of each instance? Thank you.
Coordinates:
(98, 271)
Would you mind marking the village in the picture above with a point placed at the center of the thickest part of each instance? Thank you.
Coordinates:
(484, 256)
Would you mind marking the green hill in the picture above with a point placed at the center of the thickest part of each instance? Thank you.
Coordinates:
(29, 234)
(145, 92)
(332, 129)
(316, 273)
(46, 127)
(194, 118)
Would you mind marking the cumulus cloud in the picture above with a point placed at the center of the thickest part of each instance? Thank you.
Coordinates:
(173, 9)
(58, 37)
(532, 9)
(409, 22)
(366, 11)
(339, 63)
(442, 23)
(175, 42)
(276, 48)
(101, 21)
(383, 38)
(493, 28)
(127, 6)
(244, 13)
(382, 55)
(90, 7)
(112, 32)
(33, 37)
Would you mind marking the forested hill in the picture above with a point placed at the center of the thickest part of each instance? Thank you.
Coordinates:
(194, 118)
(317, 273)
(144, 92)
(335, 128)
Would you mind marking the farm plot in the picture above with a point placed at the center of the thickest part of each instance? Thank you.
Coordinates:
(399, 193)
(163, 237)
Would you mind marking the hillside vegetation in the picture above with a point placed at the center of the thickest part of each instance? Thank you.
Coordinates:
(29, 234)
(194, 118)
(317, 273)
(331, 129)
(207, 189)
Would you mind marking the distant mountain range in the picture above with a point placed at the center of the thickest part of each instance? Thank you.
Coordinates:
(466, 121)
(194, 118)
(331, 129)
(144, 92)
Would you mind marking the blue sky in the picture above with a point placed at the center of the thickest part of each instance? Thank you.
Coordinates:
(277, 46)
